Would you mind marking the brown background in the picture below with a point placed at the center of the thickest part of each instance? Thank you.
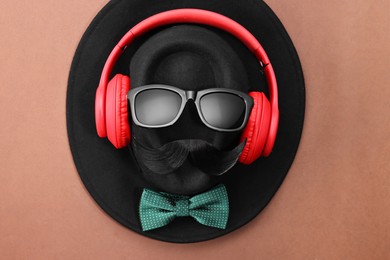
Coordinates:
(334, 203)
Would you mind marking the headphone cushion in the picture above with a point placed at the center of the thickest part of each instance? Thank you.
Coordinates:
(118, 127)
(257, 128)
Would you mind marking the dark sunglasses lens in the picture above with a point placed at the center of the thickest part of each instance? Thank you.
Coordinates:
(156, 107)
(223, 110)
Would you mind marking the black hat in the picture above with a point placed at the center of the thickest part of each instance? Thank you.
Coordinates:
(186, 56)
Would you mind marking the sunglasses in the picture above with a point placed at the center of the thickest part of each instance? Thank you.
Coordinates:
(156, 106)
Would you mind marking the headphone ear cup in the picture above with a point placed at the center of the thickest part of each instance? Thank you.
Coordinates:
(117, 121)
(257, 128)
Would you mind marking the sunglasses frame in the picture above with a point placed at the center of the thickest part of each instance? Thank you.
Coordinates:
(185, 96)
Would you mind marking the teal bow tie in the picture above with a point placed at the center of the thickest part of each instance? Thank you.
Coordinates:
(210, 208)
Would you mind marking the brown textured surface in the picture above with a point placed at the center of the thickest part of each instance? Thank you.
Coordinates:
(334, 203)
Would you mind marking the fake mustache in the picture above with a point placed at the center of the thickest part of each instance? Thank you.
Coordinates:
(171, 156)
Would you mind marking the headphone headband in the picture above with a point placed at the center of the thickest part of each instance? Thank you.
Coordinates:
(196, 16)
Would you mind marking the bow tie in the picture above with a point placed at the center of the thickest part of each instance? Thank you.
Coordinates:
(210, 208)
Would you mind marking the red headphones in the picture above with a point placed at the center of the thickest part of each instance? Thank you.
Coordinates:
(111, 113)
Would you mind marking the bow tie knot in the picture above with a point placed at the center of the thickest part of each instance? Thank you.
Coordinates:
(210, 208)
(182, 208)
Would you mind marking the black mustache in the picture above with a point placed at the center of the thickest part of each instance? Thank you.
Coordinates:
(171, 156)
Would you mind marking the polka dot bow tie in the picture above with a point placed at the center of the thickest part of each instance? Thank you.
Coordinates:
(210, 208)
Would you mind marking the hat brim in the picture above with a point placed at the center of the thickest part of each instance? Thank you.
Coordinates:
(105, 171)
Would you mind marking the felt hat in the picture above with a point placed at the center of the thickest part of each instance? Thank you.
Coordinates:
(186, 56)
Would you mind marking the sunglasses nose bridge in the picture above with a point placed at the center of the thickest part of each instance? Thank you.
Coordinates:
(190, 94)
